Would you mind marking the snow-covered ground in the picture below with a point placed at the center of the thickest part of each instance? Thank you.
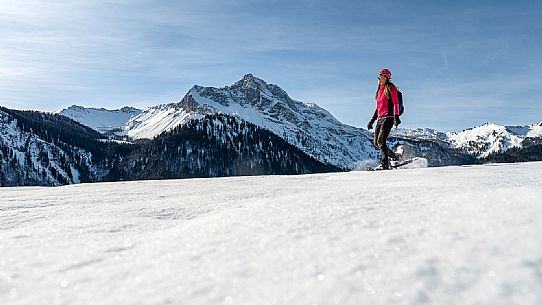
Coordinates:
(449, 235)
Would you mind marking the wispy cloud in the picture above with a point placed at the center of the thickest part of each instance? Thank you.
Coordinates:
(139, 52)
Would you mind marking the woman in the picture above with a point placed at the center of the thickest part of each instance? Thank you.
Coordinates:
(387, 114)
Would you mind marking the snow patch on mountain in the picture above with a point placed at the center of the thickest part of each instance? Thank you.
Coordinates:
(535, 131)
(102, 120)
(530, 131)
(156, 120)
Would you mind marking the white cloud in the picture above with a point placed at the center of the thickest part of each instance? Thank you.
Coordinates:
(133, 50)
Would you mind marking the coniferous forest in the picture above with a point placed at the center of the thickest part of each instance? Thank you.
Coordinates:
(54, 150)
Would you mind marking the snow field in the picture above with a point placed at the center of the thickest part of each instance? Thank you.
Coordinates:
(450, 235)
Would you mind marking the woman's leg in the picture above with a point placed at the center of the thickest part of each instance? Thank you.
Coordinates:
(386, 124)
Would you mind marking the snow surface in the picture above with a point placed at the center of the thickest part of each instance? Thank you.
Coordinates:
(449, 235)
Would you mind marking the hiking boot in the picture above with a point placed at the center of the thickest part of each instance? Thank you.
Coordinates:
(393, 155)
(382, 167)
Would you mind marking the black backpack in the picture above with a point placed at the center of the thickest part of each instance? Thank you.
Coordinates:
(401, 106)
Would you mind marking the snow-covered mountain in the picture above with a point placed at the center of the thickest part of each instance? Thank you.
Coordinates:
(305, 125)
(488, 139)
(455, 235)
(313, 129)
(420, 134)
(112, 122)
(480, 141)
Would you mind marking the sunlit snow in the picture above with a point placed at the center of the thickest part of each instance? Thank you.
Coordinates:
(449, 235)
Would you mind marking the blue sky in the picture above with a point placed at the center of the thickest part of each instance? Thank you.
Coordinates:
(458, 63)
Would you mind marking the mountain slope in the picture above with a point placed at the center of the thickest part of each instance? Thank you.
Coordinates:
(530, 150)
(159, 119)
(44, 149)
(109, 122)
(455, 235)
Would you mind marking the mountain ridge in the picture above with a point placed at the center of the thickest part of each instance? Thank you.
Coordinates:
(316, 131)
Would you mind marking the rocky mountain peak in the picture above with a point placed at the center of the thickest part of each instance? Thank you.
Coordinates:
(76, 107)
(249, 81)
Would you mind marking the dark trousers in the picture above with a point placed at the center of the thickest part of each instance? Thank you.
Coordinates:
(382, 131)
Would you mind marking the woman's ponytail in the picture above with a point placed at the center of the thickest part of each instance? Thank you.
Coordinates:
(387, 89)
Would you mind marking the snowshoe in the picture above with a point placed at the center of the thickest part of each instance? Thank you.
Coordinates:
(400, 163)
(379, 168)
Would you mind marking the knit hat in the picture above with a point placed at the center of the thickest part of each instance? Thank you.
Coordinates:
(385, 72)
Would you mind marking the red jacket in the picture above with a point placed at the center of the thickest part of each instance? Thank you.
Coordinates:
(387, 107)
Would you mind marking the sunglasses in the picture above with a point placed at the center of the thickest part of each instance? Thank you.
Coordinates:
(380, 76)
